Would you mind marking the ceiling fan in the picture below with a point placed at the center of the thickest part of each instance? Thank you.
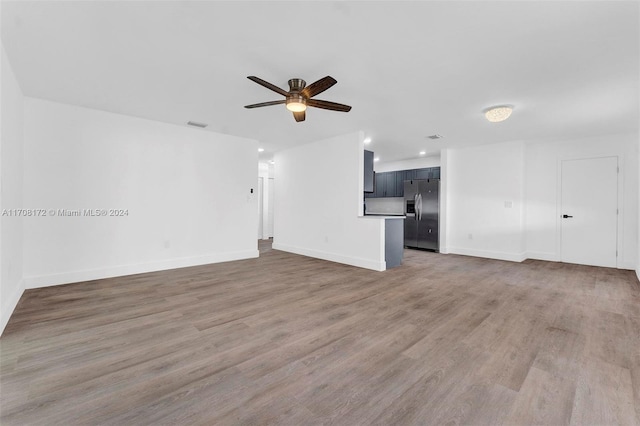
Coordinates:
(298, 98)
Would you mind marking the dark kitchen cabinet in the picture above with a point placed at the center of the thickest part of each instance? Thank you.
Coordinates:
(385, 185)
(379, 185)
(368, 171)
(399, 184)
(422, 174)
(391, 184)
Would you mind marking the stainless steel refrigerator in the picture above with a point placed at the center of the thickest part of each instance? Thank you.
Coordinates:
(422, 209)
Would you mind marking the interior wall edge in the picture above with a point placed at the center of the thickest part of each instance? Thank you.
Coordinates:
(10, 305)
(40, 281)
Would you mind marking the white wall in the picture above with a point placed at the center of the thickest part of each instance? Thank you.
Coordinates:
(187, 192)
(414, 163)
(318, 200)
(483, 205)
(638, 194)
(478, 181)
(542, 192)
(11, 162)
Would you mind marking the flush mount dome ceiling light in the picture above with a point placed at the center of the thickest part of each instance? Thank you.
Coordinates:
(498, 113)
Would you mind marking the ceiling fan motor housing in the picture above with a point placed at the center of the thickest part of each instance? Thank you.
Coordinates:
(296, 84)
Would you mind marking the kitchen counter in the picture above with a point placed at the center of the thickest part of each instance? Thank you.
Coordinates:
(393, 237)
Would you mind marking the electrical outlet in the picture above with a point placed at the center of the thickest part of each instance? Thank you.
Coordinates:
(470, 236)
(167, 244)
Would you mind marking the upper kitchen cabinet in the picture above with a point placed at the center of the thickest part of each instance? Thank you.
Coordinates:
(422, 174)
(390, 188)
(385, 185)
(426, 173)
(391, 184)
(399, 184)
(368, 171)
(381, 184)
(388, 184)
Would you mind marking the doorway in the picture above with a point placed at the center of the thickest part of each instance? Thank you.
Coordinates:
(589, 211)
(260, 207)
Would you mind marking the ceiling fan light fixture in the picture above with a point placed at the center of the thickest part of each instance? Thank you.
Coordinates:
(299, 96)
(296, 104)
(496, 114)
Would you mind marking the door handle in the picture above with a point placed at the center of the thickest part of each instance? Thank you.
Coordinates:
(566, 216)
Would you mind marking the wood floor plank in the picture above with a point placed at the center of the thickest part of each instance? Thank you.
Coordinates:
(286, 339)
(604, 395)
(544, 399)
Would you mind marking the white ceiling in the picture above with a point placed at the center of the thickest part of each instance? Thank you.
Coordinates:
(409, 69)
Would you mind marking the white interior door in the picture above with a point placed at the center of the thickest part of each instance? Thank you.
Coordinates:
(589, 211)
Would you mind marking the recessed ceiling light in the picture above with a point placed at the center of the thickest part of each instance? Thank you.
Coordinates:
(260, 149)
(367, 140)
(436, 136)
(498, 113)
(272, 162)
(376, 159)
(423, 152)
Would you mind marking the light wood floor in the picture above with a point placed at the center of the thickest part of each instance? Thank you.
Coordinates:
(285, 339)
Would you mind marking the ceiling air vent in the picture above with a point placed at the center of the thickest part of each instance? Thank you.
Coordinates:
(196, 124)
(436, 136)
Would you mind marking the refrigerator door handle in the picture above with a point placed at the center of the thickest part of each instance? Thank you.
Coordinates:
(418, 206)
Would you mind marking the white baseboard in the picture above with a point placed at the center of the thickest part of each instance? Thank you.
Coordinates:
(139, 268)
(552, 257)
(10, 304)
(539, 255)
(499, 255)
(333, 257)
(631, 266)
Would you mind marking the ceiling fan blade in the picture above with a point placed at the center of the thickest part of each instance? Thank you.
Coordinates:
(328, 105)
(263, 104)
(299, 116)
(268, 85)
(318, 87)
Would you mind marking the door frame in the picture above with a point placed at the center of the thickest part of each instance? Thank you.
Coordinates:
(620, 204)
